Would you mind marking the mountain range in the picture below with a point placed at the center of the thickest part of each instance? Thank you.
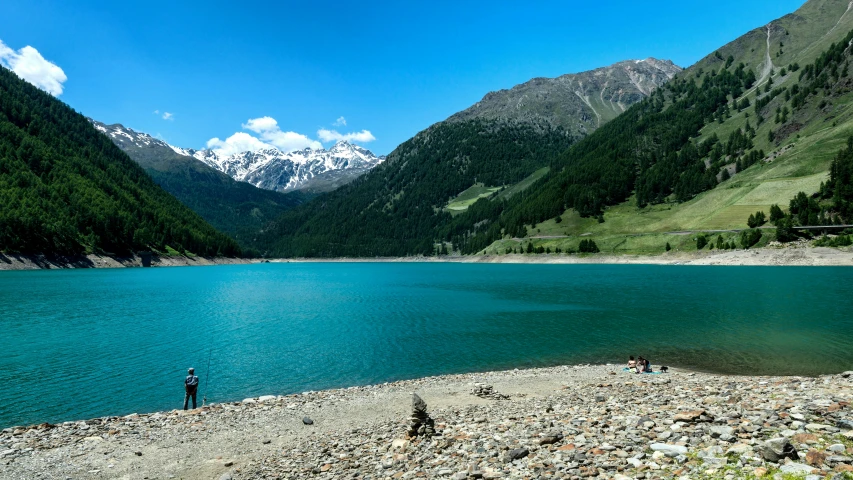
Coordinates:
(746, 128)
(310, 170)
(505, 142)
(629, 156)
(238, 209)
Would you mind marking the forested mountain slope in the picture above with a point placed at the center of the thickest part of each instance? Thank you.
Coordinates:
(747, 127)
(424, 189)
(238, 209)
(67, 189)
(397, 208)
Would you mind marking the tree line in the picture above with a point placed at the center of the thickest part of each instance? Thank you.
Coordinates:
(67, 189)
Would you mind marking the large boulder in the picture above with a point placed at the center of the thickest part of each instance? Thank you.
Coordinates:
(777, 449)
(517, 454)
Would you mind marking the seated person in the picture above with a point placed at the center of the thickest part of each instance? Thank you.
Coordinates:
(641, 364)
(631, 362)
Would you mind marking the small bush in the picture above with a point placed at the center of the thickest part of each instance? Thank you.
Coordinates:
(839, 241)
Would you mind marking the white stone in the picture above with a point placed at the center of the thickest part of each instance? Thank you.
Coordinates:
(796, 468)
(669, 450)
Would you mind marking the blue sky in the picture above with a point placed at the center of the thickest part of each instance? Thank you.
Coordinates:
(296, 68)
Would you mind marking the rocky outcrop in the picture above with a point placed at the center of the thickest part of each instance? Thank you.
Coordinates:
(578, 102)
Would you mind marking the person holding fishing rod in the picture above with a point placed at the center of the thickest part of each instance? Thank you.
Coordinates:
(190, 387)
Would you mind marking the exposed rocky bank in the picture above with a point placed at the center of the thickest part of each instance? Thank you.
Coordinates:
(562, 422)
(793, 255)
(10, 261)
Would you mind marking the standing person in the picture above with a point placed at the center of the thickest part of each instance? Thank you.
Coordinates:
(190, 387)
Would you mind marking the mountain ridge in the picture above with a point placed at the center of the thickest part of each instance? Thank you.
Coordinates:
(238, 209)
(710, 147)
(578, 102)
(273, 169)
(760, 146)
(395, 208)
(311, 170)
(65, 189)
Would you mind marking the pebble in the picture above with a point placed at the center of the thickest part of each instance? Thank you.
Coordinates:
(682, 426)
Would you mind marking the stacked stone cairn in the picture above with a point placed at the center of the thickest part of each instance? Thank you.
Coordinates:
(422, 424)
(487, 391)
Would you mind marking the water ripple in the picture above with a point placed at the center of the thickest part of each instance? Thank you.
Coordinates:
(284, 328)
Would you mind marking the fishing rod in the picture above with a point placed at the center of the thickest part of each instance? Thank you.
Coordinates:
(207, 377)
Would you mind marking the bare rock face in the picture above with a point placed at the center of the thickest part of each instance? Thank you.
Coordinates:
(578, 102)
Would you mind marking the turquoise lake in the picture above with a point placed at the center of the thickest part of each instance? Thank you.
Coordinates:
(84, 343)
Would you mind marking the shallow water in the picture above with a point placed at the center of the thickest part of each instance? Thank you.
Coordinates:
(83, 343)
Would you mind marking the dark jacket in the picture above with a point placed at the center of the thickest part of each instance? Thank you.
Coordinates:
(191, 383)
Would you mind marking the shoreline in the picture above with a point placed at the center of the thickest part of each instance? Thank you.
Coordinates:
(9, 261)
(768, 256)
(798, 255)
(581, 421)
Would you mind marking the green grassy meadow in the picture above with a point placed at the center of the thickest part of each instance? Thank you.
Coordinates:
(796, 160)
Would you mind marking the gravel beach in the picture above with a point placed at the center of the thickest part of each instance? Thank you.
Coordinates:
(561, 422)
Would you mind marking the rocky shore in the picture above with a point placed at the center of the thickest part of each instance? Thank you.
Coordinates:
(563, 422)
(797, 254)
(10, 261)
(791, 255)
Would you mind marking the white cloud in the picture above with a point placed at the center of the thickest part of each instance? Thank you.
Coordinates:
(239, 142)
(340, 122)
(156, 112)
(334, 136)
(270, 135)
(168, 116)
(262, 125)
(28, 64)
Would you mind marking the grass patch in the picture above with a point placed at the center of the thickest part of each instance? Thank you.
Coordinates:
(524, 184)
(467, 198)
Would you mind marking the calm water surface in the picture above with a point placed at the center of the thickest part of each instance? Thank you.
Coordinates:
(82, 343)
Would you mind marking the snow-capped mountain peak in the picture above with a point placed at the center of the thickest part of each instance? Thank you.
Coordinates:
(272, 169)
